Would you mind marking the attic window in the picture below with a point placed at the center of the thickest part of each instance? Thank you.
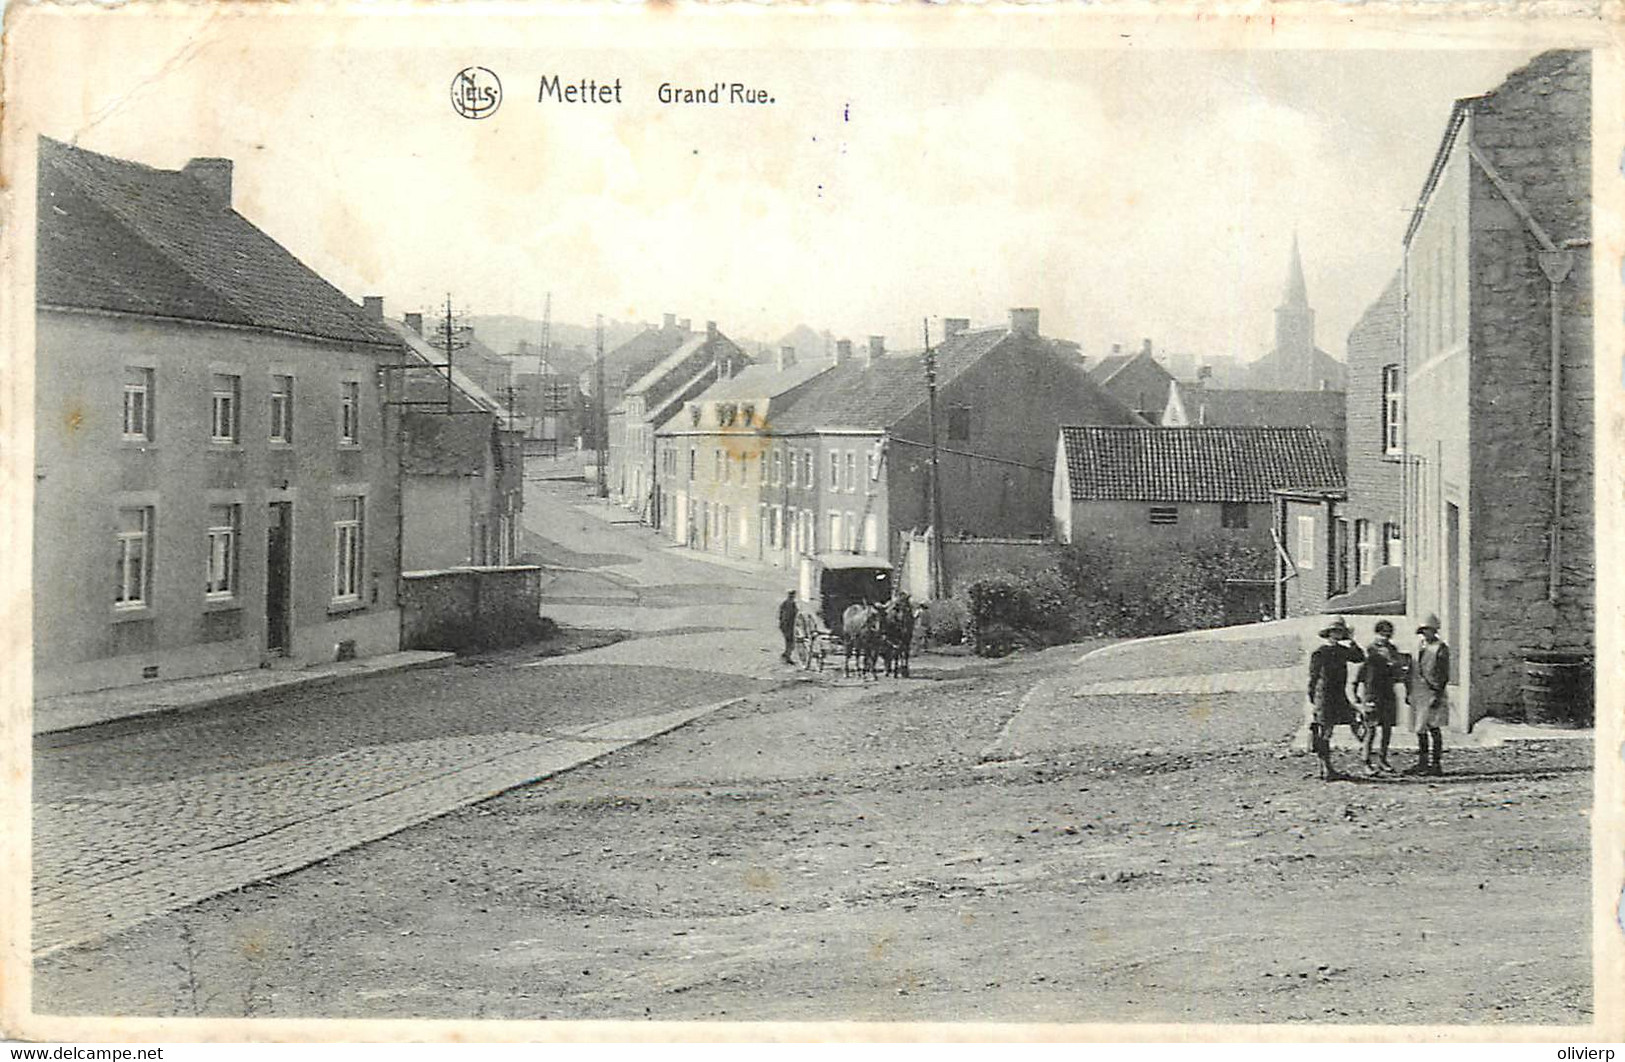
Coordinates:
(1165, 514)
(694, 415)
(749, 414)
(726, 413)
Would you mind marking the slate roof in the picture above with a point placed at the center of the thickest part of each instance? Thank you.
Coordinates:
(1109, 366)
(429, 385)
(634, 358)
(120, 236)
(763, 381)
(1280, 409)
(1194, 464)
(1278, 365)
(878, 396)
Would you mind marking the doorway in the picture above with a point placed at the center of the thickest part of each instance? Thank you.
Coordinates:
(278, 577)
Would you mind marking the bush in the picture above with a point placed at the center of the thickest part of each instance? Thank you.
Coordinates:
(1006, 609)
(1118, 590)
(943, 623)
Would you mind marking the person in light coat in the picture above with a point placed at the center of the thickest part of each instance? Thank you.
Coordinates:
(1430, 698)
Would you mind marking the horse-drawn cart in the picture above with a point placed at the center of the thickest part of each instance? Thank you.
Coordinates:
(829, 584)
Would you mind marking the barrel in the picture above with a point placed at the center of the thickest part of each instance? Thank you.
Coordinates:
(1557, 688)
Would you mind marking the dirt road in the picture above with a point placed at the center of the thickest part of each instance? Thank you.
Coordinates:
(893, 852)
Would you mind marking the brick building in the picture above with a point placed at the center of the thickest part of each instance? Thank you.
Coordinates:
(215, 478)
(844, 463)
(716, 461)
(652, 399)
(1163, 487)
(1498, 381)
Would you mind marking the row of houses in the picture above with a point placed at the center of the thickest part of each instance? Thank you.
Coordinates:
(234, 462)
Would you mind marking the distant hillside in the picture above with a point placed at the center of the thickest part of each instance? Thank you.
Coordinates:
(502, 332)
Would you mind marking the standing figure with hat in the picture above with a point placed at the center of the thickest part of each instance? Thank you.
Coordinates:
(787, 625)
(1328, 690)
(1430, 698)
(1374, 686)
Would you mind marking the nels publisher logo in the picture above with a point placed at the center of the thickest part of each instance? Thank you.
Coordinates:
(476, 92)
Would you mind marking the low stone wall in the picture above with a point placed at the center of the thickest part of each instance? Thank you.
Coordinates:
(470, 608)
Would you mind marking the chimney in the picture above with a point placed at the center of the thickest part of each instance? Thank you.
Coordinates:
(373, 306)
(1024, 320)
(786, 358)
(414, 321)
(952, 326)
(1117, 349)
(711, 329)
(1145, 347)
(684, 323)
(1203, 375)
(843, 351)
(877, 349)
(213, 174)
(669, 321)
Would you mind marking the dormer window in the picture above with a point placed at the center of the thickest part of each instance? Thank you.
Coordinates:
(694, 415)
(726, 413)
(749, 414)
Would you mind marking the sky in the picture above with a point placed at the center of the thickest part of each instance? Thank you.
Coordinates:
(1126, 192)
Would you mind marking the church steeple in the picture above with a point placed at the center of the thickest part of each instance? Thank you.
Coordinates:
(1295, 331)
(1297, 294)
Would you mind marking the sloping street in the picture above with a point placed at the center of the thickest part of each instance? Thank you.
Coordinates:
(1093, 833)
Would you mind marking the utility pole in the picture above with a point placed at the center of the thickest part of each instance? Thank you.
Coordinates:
(544, 374)
(601, 427)
(448, 333)
(939, 563)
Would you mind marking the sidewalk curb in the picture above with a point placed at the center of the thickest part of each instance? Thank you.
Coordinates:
(303, 682)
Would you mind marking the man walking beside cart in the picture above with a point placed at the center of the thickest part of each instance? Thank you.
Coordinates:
(787, 625)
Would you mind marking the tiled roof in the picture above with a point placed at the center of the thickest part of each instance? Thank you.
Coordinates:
(877, 396)
(1194, 464)
(1279, 409)
(117, 235)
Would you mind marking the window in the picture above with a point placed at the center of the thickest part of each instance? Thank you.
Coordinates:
(851, 529)
(958, 423)
(850, 482)
(223, 403)
(1393, 546)
(778, 467)
(1305, 546)
(873, 469)
(716, 465)
(693, 456)
(282, 409)
(348, 523)
(834, 542)
(871, 533)
(725, 464)
(1165, 514)
(137, 403)
(1365, 552)
(1391, 398)
(350, 413)
(1338, 563)
(1233, 514)
(776, 529)
(134, 539)
(807, 468)
(834, 470)
(222, 565)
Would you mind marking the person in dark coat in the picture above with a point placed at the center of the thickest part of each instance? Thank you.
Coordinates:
(787, 625)
(1374, 686)
(1430, 698)
(1328, 690)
